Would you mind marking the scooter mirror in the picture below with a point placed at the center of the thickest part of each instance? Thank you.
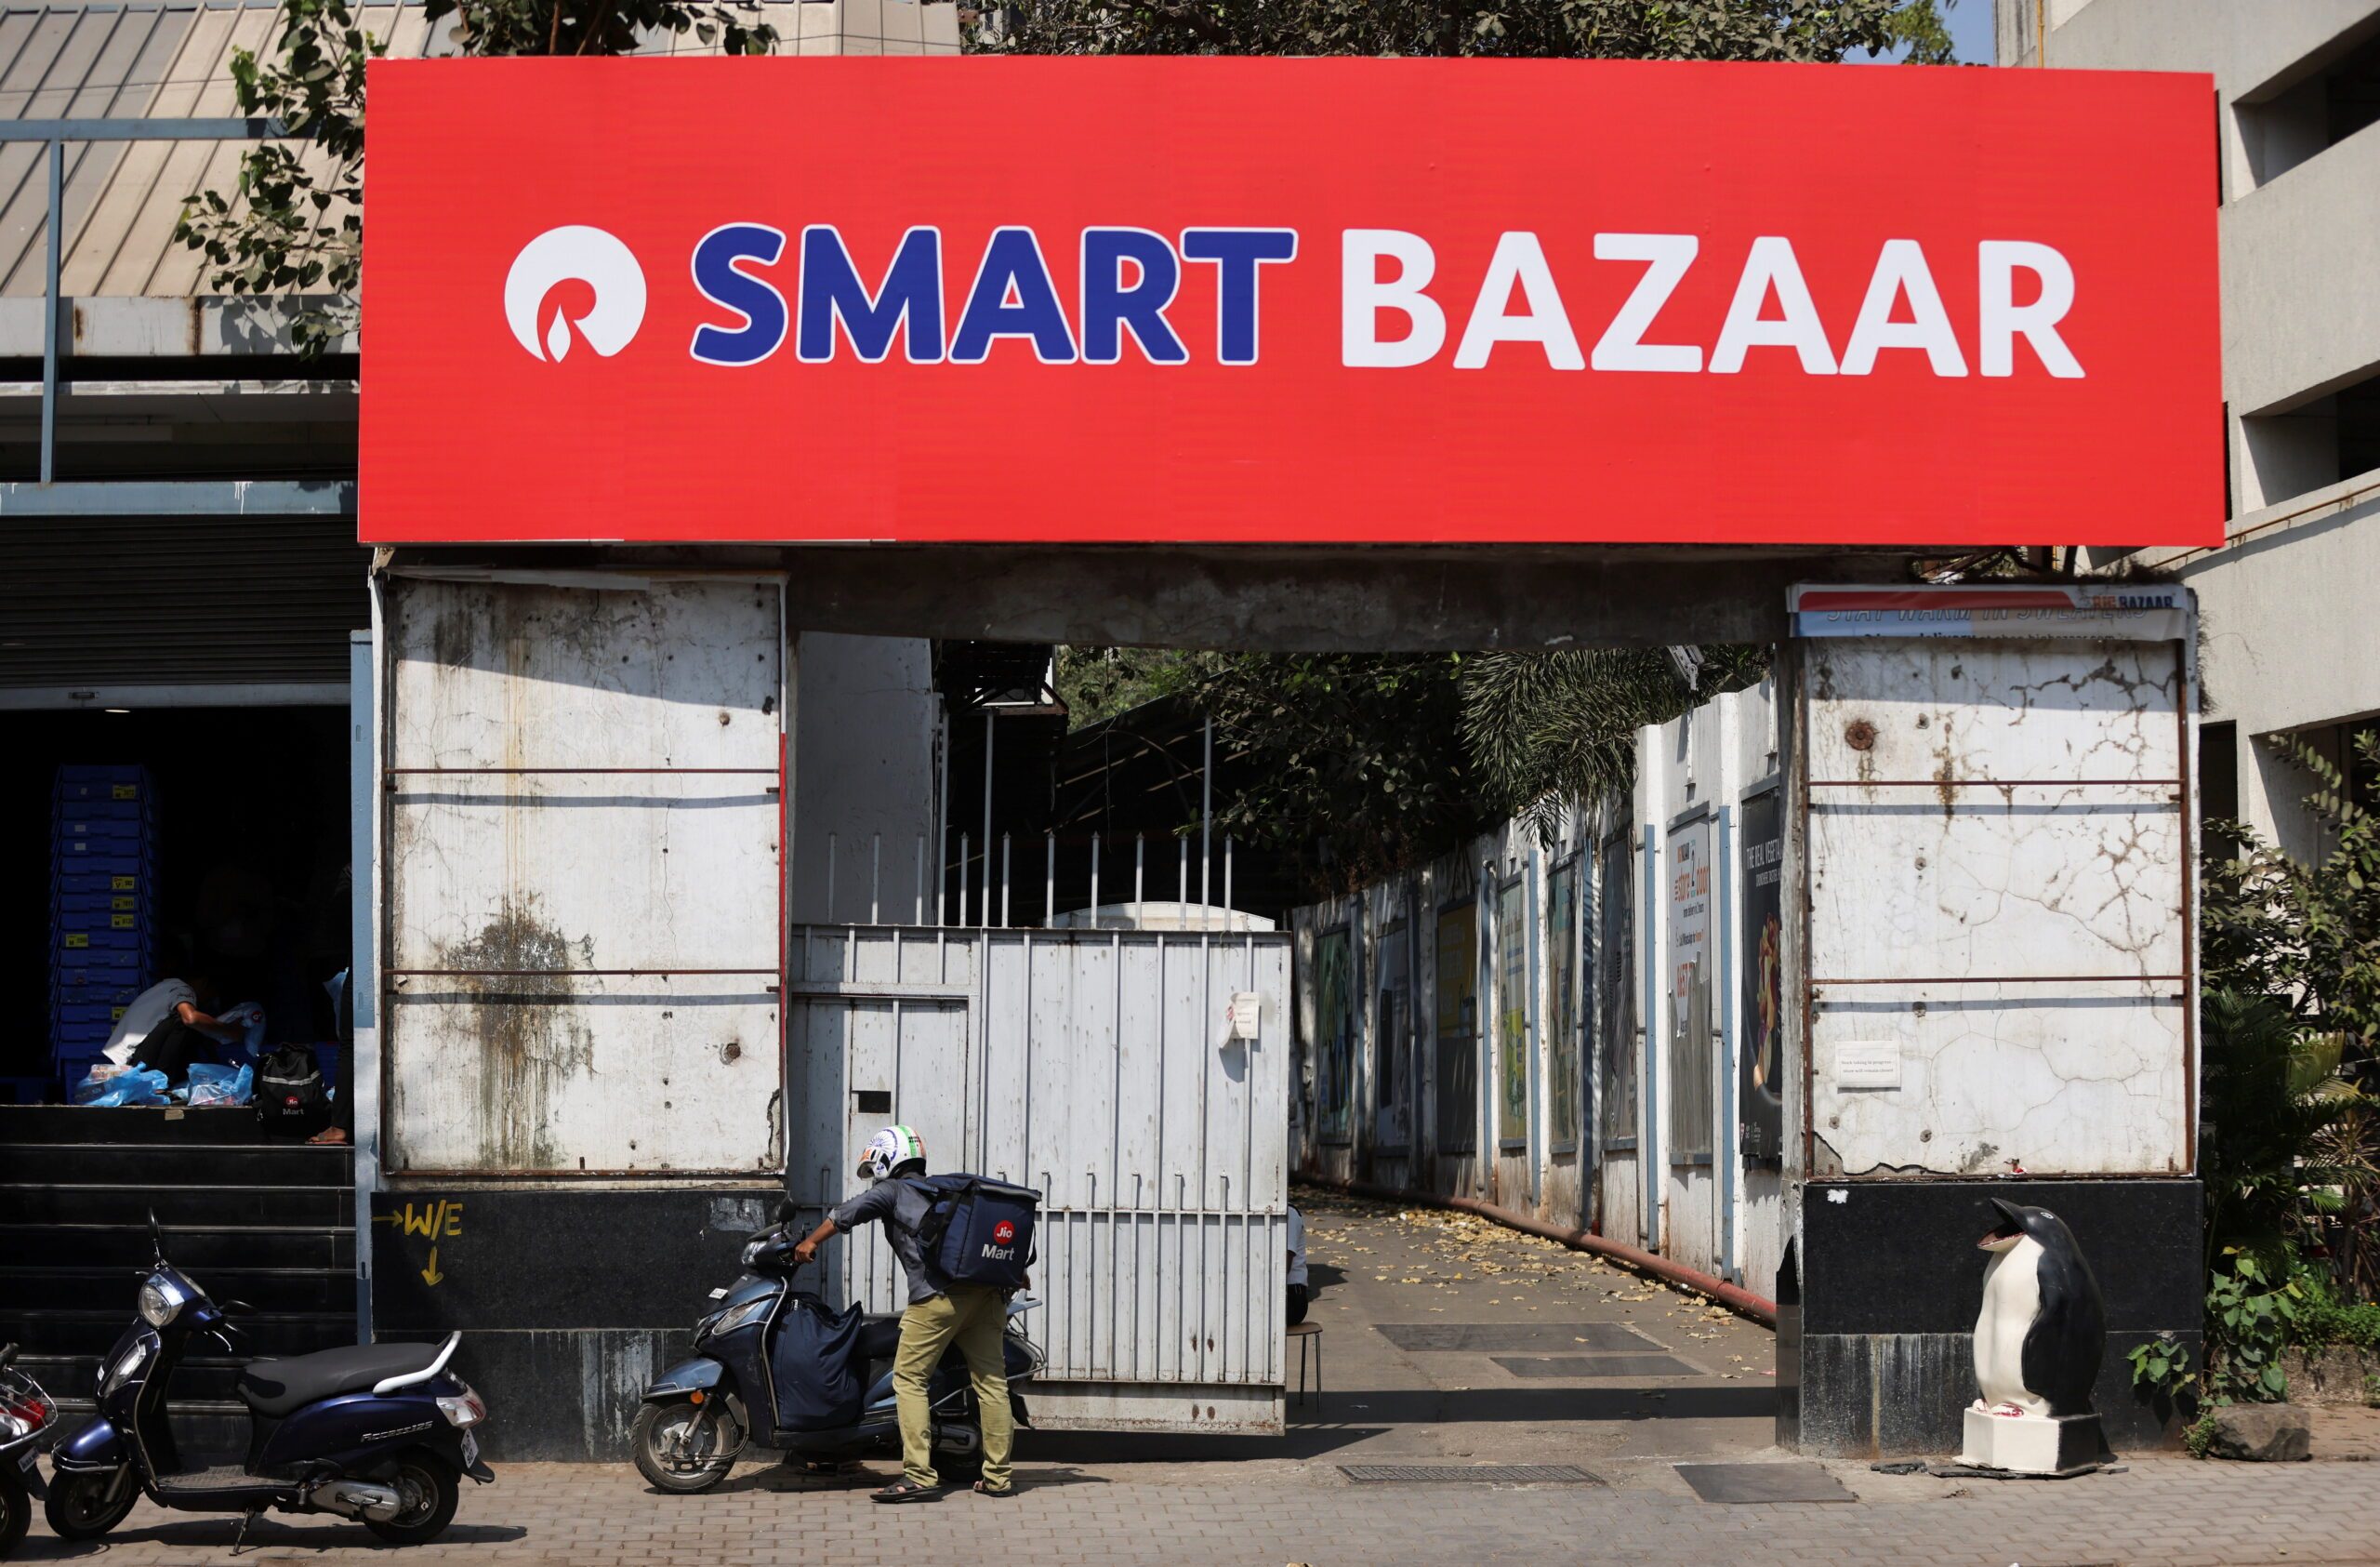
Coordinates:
(156, 1237)
(785, 1210)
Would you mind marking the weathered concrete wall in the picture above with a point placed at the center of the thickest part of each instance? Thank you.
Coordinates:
(864, 713)
(581, 877)
(1999, 850)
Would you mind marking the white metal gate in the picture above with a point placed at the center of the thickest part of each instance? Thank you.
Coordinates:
(581, 816)
(1098, 1066)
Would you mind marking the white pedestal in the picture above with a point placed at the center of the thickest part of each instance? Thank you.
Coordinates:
(2032, 1444)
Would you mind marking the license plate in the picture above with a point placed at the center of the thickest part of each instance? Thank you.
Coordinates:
(26, 1460)
(470, 1448)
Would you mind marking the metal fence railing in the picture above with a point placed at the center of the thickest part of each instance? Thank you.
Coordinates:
(56, 134)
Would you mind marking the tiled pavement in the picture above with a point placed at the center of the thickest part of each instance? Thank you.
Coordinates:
(1269, 1513)
(1462, 1298)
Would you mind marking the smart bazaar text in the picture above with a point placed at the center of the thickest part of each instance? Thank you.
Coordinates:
(1395, 311)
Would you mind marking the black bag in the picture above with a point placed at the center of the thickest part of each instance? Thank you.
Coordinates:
(815, 1363)
(290, 1098)
(979, 1231)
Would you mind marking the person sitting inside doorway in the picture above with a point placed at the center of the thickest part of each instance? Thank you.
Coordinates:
(169, 1025)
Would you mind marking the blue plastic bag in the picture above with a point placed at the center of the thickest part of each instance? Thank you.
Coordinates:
(144, 1085)
(213, 1085)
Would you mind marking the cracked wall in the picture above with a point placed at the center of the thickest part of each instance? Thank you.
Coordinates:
(1998, 845)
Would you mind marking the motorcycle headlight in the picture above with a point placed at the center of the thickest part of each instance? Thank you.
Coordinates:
(159, 1301)
(735, 1317)
(118, 1373)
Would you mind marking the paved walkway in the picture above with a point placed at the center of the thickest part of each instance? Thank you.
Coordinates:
(1448, 1343)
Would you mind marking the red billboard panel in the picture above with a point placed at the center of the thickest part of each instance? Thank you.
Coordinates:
(1289, 300)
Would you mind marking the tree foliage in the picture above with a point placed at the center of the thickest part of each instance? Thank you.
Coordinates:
(2292, 1105)
(293, 221)
(1353, 764)
(2307, 934)
(1098, 683)
(1753, 30)
(1547, 730)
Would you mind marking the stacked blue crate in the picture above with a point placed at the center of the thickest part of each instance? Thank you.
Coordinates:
(102, 906)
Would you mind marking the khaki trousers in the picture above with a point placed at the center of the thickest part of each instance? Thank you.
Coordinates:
(976, 1317)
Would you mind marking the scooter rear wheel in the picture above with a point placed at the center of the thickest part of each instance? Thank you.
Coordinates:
(430, 1494)
(83, 1504)
(682, 1446)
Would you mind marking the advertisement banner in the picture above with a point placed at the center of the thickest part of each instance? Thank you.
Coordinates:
(1690, 1085)
(1511, 1015)
(1761, 1100)
(1334, 300)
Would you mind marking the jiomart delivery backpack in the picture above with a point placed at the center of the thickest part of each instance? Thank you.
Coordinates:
(290, 1098)
(979, 1231)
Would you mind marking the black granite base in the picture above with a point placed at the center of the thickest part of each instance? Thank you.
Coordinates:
(569, 1299)
(1878, 1296)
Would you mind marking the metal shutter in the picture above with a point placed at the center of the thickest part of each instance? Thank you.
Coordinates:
(178, 600)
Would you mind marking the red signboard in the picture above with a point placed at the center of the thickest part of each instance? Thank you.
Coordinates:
(1289, 300)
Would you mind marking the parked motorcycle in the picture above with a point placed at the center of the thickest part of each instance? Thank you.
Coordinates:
(380, 1433)
(775, 1363)
(26, 1418)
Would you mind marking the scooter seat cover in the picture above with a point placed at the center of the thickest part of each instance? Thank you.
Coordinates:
(879, 1338)
(273, 1388)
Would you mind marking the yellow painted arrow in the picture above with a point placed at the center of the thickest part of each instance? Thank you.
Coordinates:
(430, 1275)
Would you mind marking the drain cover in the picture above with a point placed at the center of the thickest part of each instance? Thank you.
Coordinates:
(1469, 1474)
(1763, 1483)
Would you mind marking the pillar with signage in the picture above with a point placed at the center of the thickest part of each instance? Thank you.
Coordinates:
(1990, 986)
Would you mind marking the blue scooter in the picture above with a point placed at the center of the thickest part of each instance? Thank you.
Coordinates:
(380, 1433)
(699, 1414)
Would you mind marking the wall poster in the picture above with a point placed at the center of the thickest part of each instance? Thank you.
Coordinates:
(1512, 1013)
(1761, 1098)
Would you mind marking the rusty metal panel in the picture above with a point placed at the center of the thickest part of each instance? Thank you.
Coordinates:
(1999, 942)
(581, 869)
(1097, 1066)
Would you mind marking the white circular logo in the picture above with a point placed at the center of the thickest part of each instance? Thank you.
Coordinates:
(574, 253)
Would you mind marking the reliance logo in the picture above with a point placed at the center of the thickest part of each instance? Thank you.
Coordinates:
(573, 254)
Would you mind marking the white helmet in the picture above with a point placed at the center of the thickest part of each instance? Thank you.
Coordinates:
(891, 1148)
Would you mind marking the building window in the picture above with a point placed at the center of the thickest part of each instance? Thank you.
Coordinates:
(2317, 443)
(2218, 788)
(2338, 95)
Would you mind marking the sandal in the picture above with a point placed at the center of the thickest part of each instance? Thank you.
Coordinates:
(904, 1491)
(982, 1490)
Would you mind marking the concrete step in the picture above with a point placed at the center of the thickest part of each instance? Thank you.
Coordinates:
(170, 1164)
(95, 1331)
(197, 1247)
(281, 1290)
(197, 1379)
(325, 1206)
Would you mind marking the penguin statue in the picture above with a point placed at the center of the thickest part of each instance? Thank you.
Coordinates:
(2037, 1343)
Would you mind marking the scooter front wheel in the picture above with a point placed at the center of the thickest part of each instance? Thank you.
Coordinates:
(680, 1446)
(16, 1512)
(84, 1505)
(428, 1494)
